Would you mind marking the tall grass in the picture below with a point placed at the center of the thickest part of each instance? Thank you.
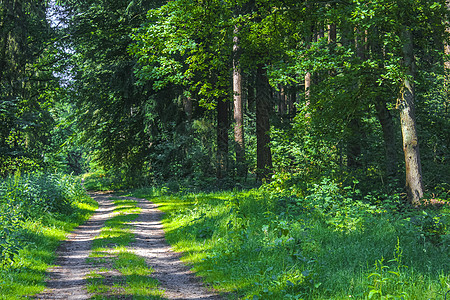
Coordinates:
(329, 244)
(36, 212)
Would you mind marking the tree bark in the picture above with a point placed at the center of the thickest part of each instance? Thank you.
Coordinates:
(222, 139)
(309, 36)
(282, 101)
(187, 105)
(239, 140)
(354, 140)
(414, 185)
(292, 102)
(387, 126)
(447, 52)
(354, 143)
(332, 33)
(307, 88)
(263, 153)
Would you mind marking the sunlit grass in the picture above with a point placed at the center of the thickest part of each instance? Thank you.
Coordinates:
(253, 245)
(41, 239)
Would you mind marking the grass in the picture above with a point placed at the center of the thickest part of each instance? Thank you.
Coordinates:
(257, 245)
(40, 239)
(119, 273)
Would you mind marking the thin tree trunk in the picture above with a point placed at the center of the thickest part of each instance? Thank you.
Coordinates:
(414, 185)
(263, 153)
(282, 101)
(387, 126)
(292, 102)
(447, 62)
(307, 88)
(354, 143)
(222, 139)
(332, 33)
(187, 105)
(354, 140)
(309, 36)
(241, 167)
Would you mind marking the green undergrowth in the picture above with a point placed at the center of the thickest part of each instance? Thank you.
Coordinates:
(37, 211)
(118, 273)
(327, 244)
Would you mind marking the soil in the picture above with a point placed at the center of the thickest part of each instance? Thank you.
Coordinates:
(67, 280)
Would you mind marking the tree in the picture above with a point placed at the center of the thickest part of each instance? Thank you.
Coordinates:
(264, 155)
(414, 185)
(28, 61)
(111, 107)
(238, 107)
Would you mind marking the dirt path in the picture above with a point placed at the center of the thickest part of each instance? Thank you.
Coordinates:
(175, 278)
(67, 279)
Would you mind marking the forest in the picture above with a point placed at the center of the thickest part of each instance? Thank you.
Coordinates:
(299, 148)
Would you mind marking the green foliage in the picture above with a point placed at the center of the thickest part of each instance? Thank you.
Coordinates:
(388, 284)
(319, 245)
(29, 62)
(10, 230)
(430, 226)
(32, 197)
(29, 239)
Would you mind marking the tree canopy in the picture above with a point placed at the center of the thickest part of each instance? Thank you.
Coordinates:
(144, 89)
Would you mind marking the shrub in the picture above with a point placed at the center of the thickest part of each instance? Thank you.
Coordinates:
(32, 196)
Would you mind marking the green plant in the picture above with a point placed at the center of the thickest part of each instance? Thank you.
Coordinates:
(29, 239)
(10, 230)
(388, 283)
(433, 226)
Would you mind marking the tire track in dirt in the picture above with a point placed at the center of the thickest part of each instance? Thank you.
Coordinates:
(67, 279)
(175, 277)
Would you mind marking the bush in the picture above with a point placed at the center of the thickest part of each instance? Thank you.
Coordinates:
(32, 196)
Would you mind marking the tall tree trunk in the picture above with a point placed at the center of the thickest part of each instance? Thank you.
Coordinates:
(292, 102)
(354, 140)
(332, 33)
(241, 167)
(414, 185)
(282, 104)
(387, 126)
(447, 52)
(222, 139)
(309, 36)
(383, 114)
(263, 153)
(307, 88)
(354, 143)
(187, 105)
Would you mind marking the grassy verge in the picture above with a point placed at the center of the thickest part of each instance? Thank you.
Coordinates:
(33, 224)
(324, 246)
(118, 272)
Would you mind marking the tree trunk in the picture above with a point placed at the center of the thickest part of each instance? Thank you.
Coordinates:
(292, 102)
(309, 36)
(354, 143)
(241, 167)
(307, 88)
(282, 105)
(447, 62)
(354, 140)
(263, 153)
(387, 126)
(222, 139)
(332, 33)
(414, 185)
(187, 105)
